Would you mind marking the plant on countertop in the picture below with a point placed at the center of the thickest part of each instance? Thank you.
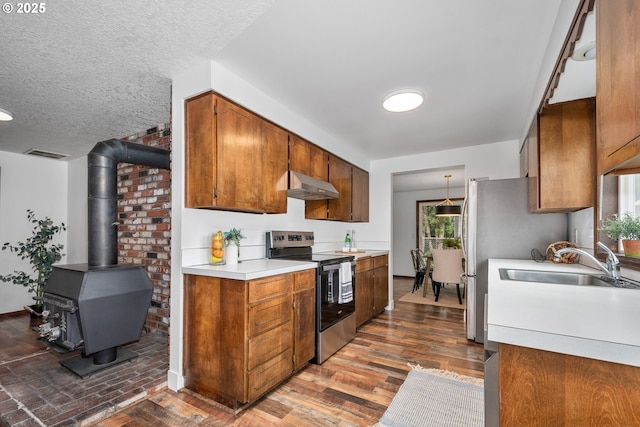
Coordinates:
(234, 235)
(625, 227)
(40, 252)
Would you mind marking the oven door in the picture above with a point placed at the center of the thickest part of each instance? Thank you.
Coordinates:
(330, 308)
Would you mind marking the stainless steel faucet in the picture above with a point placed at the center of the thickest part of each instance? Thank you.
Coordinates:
(611, 266)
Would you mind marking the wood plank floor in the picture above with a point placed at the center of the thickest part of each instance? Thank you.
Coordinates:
(352, 388)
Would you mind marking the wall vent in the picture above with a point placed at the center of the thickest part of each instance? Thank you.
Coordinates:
(47, 154)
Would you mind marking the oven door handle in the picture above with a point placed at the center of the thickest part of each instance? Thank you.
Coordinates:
(330, 267)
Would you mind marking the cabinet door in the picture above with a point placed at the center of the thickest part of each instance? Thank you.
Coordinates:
(364, 291)
(543, 388)
(359, 195)
(319, 163)
(617, 88)
(299, 155)
(200, 152)
(318, 169)
(304, 331)
(239, 162)
(532, 168)
(273, 182)
(340, 177)
(307, 158)
(566, 138)
(380, 283)
(211, 305)
(304, 344)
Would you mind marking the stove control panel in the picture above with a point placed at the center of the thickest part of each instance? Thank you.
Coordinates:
(289, 239)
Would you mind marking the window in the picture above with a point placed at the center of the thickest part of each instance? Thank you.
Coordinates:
(436, 232)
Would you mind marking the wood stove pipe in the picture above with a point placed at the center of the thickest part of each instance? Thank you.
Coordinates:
(102, 161)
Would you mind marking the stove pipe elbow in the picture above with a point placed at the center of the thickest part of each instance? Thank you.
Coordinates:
(103, 162)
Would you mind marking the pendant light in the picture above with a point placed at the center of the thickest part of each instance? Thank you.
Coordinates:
(446, 207)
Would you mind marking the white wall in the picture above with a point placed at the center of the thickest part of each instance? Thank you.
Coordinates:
(77, 232)
(495, 161)
(405, 227)
(27, 182)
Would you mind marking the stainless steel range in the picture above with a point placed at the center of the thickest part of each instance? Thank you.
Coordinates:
(335, 288)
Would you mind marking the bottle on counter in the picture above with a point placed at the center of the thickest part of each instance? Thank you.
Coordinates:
(347, 243)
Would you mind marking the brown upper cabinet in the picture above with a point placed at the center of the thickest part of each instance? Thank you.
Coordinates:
(235, 160)
(618, 85)
(308, 159)
(340, 177)
(359, 195)
(561, 169)
(352, 184)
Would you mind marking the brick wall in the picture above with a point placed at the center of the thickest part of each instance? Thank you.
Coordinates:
(144, 233)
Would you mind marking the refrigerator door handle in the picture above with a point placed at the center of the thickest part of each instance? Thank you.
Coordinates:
(463, 228)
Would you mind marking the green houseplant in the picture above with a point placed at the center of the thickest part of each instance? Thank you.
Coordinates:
(41, 253)
(233, 236)
(451, 243)
(626, 228)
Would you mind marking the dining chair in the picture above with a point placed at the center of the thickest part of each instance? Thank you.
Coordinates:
(419, 267)
(447, 268)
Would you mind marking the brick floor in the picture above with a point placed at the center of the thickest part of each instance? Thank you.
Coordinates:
(35, 390)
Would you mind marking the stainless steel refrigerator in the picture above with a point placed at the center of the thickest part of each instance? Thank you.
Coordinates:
(497, 224)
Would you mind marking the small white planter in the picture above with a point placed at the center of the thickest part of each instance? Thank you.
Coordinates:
(231, 254)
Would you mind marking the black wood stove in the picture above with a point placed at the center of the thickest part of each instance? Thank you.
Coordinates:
(99, 306)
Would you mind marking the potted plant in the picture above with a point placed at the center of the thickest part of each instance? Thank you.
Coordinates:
(626, 228)
(40, 252)
(451, 243)
(232, 236)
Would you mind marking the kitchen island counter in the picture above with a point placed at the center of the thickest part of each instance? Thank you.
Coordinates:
(589, 321)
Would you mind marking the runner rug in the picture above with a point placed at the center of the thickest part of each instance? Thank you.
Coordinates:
(433, 397)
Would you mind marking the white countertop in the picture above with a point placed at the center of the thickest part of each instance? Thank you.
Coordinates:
(257, 268)
(590, 321)
(361, 254)
(250, 269)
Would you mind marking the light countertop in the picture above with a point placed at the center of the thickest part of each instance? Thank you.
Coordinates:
(590, 321)
(250, 269)
(361, 254)
(257, 268)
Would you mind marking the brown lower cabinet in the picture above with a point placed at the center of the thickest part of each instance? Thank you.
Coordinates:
(242, 338)
(372, 287)
(542, 388)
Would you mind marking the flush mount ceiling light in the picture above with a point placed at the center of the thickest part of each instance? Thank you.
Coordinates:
(402, 100)
(5, 116)
(446, 207)
(585, 53)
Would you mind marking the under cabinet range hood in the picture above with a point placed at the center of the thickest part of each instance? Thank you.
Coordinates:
(306, 188)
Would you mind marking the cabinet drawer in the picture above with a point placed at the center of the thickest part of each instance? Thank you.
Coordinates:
(269, 374)
(269, 314)
(363, 264)
(380, 261)
(305, 280)
(268, 345)
(269, 287)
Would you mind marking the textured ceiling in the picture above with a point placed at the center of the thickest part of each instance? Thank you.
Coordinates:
(86, 71)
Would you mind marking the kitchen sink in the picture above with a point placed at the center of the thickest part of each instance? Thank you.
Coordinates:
(558, 277)
(564, 278)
